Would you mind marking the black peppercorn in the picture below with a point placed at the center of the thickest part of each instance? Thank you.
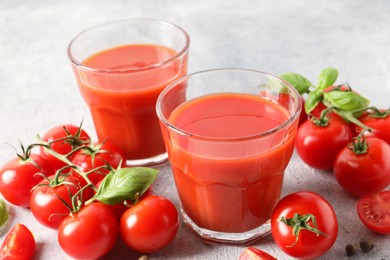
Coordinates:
(366, 245)
(350, 249)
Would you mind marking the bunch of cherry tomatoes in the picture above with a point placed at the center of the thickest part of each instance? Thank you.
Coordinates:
(339, 132)
(345, 135)
(84, 190)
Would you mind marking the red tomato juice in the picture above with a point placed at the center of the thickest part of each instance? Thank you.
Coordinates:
(121, 91)
(228, 180)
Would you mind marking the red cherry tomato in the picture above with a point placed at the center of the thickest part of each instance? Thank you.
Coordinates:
(47, 201)
(380, 126)
(306, 244)
(18, 177)
(339, 87)
(366, 173)
(318, 146)
(77, 137)
(19, 244)
(316, 112)
(99, 155)
(90, 233)
(149, 225)
(253, 253)
(374, 211)
(303, 116)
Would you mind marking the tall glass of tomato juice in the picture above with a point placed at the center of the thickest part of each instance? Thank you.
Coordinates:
(229, 134)
(121, 67)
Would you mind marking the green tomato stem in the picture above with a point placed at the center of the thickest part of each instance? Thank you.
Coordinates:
(300, 222)
(359, 144)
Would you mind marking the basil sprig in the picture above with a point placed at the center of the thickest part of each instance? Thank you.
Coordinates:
(346, 100)
(124, 184)
(312, 100)
(327, 77)
(3, 213)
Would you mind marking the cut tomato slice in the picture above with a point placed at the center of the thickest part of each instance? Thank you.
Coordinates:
(18, 244)
(253, 253)
(374, 211)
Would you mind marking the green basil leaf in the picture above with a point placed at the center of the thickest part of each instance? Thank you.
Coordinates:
(312, 100)
(3, 213)
(298, 81)
(124, 183)
(327, 77)
(350, 117)
(346, 100)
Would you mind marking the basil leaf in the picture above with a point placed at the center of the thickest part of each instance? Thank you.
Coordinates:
(327, 77)
(346, 100)
(298, 81)
(312, 100)
(3, 213)
(124, 183)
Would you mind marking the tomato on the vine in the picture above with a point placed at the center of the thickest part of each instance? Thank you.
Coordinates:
(19, 175)
(89, 233)
(19, 244)
(149, 225)
(374, 211)
(363, 167)
(317, 110)
(318, 145)
(63, 139)
(379, 122)
(47, 201)
(313, 221)
(97, 155)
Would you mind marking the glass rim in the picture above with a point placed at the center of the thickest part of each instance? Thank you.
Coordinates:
(286, 123)
(179, 54)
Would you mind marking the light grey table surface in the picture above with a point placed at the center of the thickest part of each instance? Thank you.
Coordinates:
(38, 89)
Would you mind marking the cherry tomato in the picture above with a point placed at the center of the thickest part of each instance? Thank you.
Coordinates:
(316, 112)
(318, 146)
(77, 137)
(19, 176)
(301, 209)
(339, 87)
(19, 244)
(303, 116)
(45, 202)
(90, 233)
(380, 126)
(253, 253)
(99, 154)
(365, 173)
(149, 225)
(374, 211)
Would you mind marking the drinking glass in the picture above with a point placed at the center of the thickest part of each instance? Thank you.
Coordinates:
(229, 134)
(121, 67)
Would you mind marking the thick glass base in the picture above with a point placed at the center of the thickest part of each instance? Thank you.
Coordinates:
(159, 159)
(209, 236)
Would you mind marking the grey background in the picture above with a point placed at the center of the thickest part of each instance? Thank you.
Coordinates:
(38, 89)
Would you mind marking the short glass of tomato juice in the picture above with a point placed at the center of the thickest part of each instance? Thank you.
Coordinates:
(229, 134)
(121, 67)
